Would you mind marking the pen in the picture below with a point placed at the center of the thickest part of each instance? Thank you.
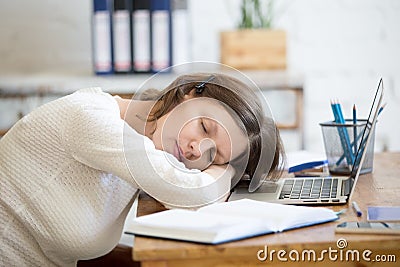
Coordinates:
(357, 209)
(343, 134)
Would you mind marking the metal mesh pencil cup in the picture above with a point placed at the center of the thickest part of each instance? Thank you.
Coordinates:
(341, 143)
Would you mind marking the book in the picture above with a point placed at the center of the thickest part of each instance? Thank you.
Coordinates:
(228, 221)
(161, 35)
(102, 36)
(122, 36)
(383, 213)
(141, 37)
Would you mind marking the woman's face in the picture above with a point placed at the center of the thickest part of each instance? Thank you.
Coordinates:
(200, 132)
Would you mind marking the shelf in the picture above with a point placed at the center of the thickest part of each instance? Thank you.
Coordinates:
(37, 84)
(50, 86)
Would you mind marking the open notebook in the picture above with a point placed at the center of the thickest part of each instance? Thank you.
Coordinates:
(228, 221)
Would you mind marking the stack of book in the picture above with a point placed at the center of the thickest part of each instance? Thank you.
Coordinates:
(139, 35)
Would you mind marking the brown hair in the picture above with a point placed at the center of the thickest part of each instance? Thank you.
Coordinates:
(239, 97)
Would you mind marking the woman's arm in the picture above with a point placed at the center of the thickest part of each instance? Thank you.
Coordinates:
(98, 138)
(217, 171)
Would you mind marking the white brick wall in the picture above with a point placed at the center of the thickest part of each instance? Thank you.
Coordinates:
(45, 36)
(341, 46)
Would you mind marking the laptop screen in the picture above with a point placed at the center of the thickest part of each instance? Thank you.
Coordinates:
(369, 127)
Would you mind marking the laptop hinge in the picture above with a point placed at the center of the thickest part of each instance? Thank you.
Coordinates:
(347, 185)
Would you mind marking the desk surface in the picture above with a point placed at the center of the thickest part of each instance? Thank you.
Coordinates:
(380, 188)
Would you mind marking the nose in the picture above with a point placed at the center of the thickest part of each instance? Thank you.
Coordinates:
(199, 148)
(194, 150)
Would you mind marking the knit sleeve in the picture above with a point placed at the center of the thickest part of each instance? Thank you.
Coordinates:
(100, 139)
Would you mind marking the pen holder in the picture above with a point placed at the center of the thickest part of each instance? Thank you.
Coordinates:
(341, 143)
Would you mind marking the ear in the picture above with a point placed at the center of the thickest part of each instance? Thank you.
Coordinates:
(189, 95)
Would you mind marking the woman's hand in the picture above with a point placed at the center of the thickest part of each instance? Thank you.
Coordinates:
(217, 171)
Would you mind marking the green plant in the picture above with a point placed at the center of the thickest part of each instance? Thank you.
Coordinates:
(256, 14)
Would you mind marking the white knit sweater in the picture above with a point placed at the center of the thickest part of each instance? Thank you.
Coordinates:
(65, 185)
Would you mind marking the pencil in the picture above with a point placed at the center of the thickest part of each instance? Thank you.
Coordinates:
(355, 142)
(381, 108)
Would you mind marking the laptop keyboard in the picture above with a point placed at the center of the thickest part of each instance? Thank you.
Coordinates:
(309, 188)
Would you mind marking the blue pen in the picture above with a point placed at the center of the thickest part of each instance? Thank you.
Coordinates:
(357, 209)
(344, 136)
(340, 131)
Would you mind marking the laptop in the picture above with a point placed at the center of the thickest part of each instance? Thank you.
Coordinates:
(317, 190)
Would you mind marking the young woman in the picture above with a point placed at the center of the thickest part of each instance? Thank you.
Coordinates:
(69, 170)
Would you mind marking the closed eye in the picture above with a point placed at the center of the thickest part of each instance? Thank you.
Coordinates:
(203, 126)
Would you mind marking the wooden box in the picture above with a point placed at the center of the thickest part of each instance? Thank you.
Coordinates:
(254, 49)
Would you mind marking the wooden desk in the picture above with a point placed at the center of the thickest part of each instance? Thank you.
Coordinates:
(380, 188)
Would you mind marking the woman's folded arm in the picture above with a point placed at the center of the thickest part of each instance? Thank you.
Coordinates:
(100, 139)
